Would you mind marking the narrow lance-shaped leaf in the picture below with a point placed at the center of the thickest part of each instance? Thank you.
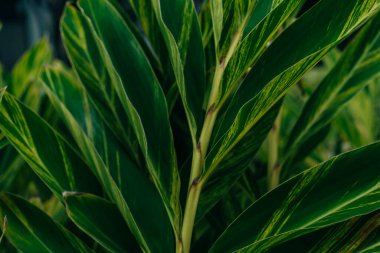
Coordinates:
(285, 61)
(356, 67)
(101, 220)
(29, 66)
(126, 184)
(141, 96)
(31, 230)
(353, 235)
(274, 14)
(50, 157)
(229, 19)
(181, 33)
(87, 62)
(319, 197)
(236, 163)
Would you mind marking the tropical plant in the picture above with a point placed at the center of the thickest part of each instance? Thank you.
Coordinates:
(163, 118)
(21, 82)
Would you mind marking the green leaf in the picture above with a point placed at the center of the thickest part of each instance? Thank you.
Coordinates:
(273, 14)
(237, 161)
(180, 30)
(358, 121)
(344, 187)
(295, 52)
(87, 62)
(356, 67)
(101, 220)
(144, 104)
(50, 157)
(31, 230)
(126, 184)
(349, 236)
(29, 66)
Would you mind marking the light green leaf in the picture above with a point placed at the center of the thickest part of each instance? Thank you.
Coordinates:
(31, 230)
(29, 66)
(101, 220)
(50, 157)
(319, 197)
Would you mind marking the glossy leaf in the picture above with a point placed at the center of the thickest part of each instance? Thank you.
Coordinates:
(319, 197)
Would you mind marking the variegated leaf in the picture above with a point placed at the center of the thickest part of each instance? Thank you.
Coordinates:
(51, 157)
(125, 183)
(285, 61)
(31, 230)
(319, 197)
(357, 66)
(144, 103)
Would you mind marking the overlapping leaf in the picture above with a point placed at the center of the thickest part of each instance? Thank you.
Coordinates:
(141, 97)
(101, 220)
(266, 20)
(29, 66)
(181, 33)
(236, 163)
(296, 51)
(319, 197)
(31, 230)
(86, 60)
(353, 235)
(356, 67)
(126, 184)
(22, 83)
(51, 157)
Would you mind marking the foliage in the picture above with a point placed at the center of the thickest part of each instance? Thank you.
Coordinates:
(244, 126)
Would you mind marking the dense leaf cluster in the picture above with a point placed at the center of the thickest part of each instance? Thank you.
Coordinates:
(238, 128)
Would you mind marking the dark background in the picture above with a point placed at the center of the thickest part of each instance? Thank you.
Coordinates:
(25, 21)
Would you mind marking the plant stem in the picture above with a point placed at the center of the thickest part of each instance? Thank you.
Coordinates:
(200, 151)
(190, 211)
(273, 177)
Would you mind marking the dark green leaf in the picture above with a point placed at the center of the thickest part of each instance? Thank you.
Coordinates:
(319, 197)
(101, 220)
(126, 184)
(31, 230)
(295, 52)
(356, 67)
(144, 103)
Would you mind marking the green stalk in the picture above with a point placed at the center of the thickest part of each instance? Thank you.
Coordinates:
(199, 153)
(273, 176)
